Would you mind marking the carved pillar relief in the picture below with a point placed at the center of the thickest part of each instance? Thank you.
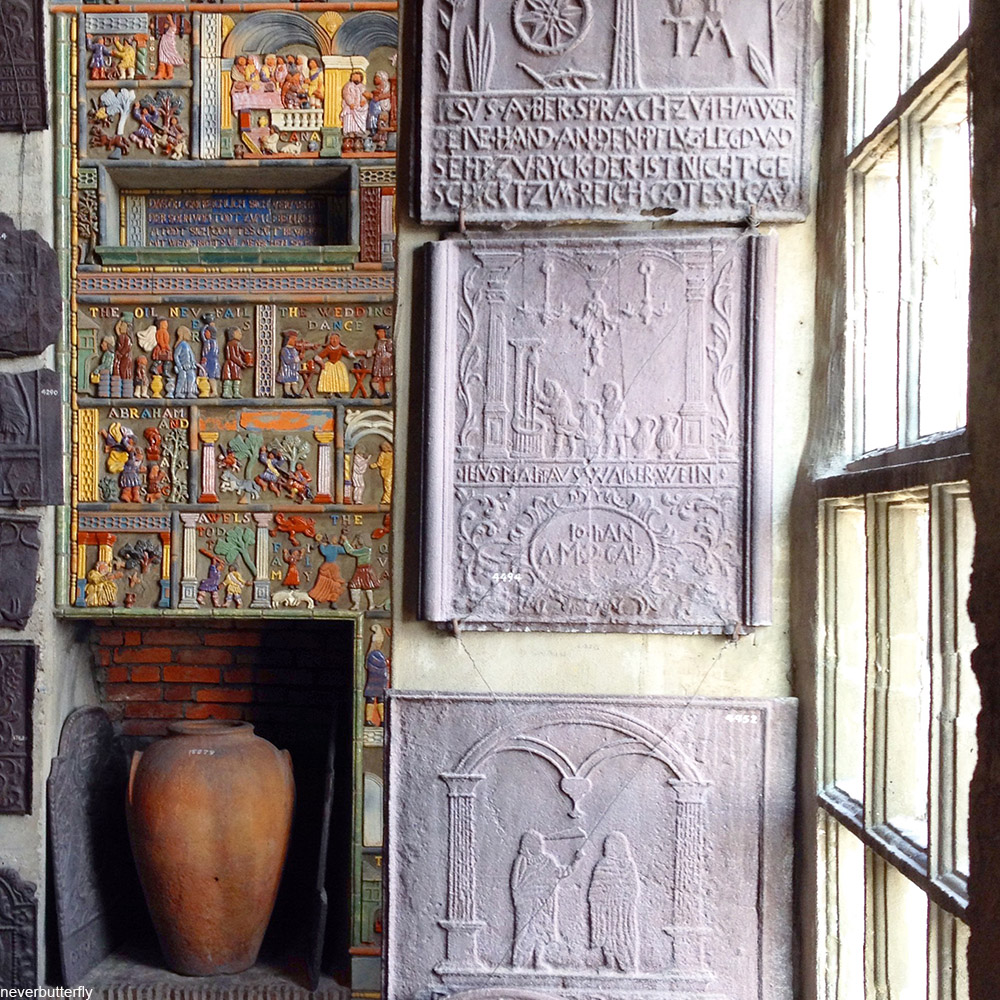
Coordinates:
(496, 411)
(189, 562)
(208, 466)
(694, 411)
(689, 930)
(261, 583)
(461, 926)
(324, 466)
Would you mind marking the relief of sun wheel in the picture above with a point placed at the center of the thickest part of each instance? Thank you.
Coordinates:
(550, 27)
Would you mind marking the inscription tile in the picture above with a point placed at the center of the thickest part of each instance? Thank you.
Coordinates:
(598, 432)
(580, 847)
(547, 110)
(238, 219)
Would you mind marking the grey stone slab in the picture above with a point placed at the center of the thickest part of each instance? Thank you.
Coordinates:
(542, 110)
(31, 457)
(19, 549)
(17, 692)
(598, 432)
(96, 891)
(30, 295)
(18, 931)
(575, 847)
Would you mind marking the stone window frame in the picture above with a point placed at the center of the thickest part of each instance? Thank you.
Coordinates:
(895, 536)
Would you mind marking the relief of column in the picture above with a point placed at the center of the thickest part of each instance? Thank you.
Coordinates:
(324, 466)
(689, 929)
(189, 561)
(495, 410)
(461, 926)
(694, 410)
(261, 583)
(624, 59)
(208, 466)
(164, 570)
(266, 330)
(528, 432)
(81, 569)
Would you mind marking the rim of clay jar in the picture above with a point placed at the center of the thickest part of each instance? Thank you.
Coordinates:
(210, 727)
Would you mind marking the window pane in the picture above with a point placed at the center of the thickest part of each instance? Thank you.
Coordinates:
(949, 942)
(900, 933)
(880, 61)
(937, 24)
(846, 939)
(846, 594)
(941, 226)
(878, 303)
(903, 667)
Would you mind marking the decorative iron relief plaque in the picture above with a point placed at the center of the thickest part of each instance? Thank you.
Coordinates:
(18, 931)
(598, 432)
(30, 295)
(17, 690)
(23, 99)
(580, 847)
(567, 109)
(19, 547)
(94, 877)
(31, 457)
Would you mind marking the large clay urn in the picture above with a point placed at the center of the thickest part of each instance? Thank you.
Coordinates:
(209, 814)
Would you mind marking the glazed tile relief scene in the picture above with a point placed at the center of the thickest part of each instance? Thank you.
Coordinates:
(233, 444)
(227, 186)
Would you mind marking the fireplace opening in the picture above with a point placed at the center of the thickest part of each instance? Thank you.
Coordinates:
(296, 681)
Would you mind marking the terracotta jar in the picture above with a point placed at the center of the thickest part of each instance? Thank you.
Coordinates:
(209, 814)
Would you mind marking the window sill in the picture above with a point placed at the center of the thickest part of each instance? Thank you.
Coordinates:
(943, 458)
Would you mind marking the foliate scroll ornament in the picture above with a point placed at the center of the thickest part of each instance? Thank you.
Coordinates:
(19, 549)
(17, 690)
(18, 931)
(23, 97)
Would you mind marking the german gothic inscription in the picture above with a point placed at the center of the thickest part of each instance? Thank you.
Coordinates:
(598, 433)
(573, 109)
(631, 849)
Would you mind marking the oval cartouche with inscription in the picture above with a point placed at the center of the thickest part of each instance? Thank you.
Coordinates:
(593, 552)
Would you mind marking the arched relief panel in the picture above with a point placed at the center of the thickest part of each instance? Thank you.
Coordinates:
(632, 846)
